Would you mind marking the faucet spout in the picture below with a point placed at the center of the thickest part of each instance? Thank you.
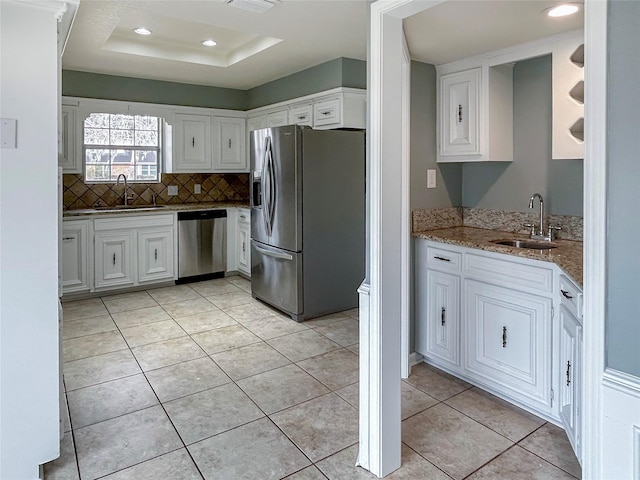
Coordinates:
(539, 197)
(124, 177)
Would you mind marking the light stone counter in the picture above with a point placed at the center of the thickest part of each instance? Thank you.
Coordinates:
(567, 255)
(151, 209)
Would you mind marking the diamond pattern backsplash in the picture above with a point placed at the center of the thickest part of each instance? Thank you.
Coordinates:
(215, 187)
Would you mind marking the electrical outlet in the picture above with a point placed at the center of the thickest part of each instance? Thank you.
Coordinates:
(431, 178)
(172, 190)
(197, 188)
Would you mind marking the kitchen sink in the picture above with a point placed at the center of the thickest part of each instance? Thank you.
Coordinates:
(529, 244)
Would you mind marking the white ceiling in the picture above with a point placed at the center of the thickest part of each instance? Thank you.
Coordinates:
(294, 35)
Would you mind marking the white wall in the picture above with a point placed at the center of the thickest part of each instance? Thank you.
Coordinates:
(29, 425)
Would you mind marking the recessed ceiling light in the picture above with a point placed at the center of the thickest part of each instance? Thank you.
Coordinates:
(209, 43)
(562, 10)
(142, 31)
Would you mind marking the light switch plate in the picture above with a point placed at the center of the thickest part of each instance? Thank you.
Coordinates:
(8, 132)
(197, 188)
(431, 178)
(172, 190)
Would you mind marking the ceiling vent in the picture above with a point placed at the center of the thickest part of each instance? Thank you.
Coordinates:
(256, 6)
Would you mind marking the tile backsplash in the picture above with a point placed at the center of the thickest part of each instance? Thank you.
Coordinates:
(431, 219)
(215, 187)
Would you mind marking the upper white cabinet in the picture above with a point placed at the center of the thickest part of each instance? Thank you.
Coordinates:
(69, 156)
(229, 145)
(459, 107)
(568, 98)
(192, 144)
(475, 113)
(337, 108)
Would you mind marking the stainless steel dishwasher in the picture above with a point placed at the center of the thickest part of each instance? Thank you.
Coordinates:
(202, 245)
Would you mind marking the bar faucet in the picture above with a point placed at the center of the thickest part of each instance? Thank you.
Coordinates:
(537, 233)
(124, 177)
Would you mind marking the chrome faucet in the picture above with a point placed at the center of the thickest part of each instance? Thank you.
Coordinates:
(538, 233)
(124, 177)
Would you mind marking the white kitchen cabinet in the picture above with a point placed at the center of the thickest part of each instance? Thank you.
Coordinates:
(459, 113)
(192, 144)
(301, 114)
(344, 110)
(244, 241)
(155, 254)
(508, 340)
(69, 158)
(256, 122)
(278, 118)
(114, 258)
(229, 145)
(475, 113)
(437, 333)
(132, 250)
(570, 362)
(76, 256)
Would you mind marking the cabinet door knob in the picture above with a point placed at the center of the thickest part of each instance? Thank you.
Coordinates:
(568, 373)
(442, 316)
(504, 337)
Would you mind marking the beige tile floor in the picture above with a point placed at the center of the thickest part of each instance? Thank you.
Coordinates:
(201, 381)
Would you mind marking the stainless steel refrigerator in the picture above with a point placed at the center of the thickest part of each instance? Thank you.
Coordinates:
(307, 219)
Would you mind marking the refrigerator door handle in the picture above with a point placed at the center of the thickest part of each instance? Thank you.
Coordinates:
(269, 181)
(269, 253)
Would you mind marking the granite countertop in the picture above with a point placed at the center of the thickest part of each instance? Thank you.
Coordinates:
(151, 209)
(567, 255)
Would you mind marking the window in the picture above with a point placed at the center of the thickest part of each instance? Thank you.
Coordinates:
(117, 144)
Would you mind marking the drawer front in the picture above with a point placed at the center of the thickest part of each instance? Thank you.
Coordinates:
(571, 296)
(443, 259)
(326, 113)
(509, 273)
(301, 115)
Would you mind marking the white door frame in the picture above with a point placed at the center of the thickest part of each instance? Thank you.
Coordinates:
(381, 351)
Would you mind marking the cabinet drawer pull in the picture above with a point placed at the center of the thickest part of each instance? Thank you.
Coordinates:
(114, 258)
(442, 316)
(568, 373)
(504, 337)
(326, 112)
(565, 294)
(193, 142)
(67, 238)
(442, 258)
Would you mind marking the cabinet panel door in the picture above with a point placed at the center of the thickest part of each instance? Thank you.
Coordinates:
(256, 123)
(155, 255)
(459, 113)
(113, 259)
(75, 256)
(437, 323)
(570, 375)
(229, 142)
(193, 144)
(68, 157)
(508, 338)
(277, 119)
(244, 249)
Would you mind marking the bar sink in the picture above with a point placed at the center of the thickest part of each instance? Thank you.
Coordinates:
(531, 245)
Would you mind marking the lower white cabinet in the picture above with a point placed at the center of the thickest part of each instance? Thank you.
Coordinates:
(155, 254)
(506, 324)
(437, 332)
(244, 241)
(133, 250)
(113, 259)
(508, 339)
(75, 252)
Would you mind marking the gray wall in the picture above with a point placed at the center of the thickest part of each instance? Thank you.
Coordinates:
(341, 72)
(508, 186)
(623, 178)
(423, 146)
(112, 87)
